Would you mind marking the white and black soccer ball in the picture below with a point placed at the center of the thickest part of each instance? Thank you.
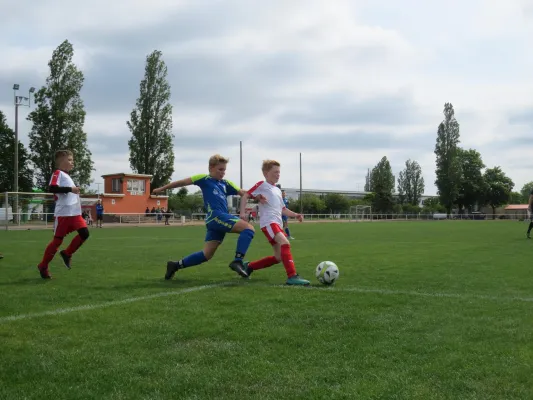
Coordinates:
(327, 272)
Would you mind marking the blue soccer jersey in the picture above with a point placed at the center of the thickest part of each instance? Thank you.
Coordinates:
(215, 192)
(99, 209)
(286, 202)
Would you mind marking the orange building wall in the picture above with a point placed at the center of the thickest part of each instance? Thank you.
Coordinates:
(129, 203)
(132, 204)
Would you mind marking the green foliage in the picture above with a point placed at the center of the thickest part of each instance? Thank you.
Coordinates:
(472, 185)
(7, 153)
(151, 148)
(410, 183)
(499, 188)
(432, 205)
(448, 165)
(411, 209)
(382, 183)
(312, 204)
(336, 203)
(516, 198)
(184, 202)
(525, 191)
(58, 120)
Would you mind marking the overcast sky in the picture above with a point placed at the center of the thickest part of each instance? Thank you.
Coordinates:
(343, 82)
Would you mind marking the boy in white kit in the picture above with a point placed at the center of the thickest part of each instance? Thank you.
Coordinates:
(67, 213)
(270, 221)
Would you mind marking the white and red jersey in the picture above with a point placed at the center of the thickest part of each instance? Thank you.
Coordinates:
(67, 204)
(270, 212)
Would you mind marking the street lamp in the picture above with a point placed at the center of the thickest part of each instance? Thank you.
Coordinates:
(26, 102)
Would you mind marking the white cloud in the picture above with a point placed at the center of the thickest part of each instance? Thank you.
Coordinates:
(289, 72)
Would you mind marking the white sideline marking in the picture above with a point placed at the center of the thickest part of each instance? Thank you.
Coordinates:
(95, 306)
(410, 293)
(87, 307)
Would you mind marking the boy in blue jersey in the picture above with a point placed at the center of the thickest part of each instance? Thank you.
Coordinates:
(99, 212)
(284, 218)
(219, 221)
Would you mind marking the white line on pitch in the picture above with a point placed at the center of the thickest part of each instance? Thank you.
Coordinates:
(462, 296)
(95, 306)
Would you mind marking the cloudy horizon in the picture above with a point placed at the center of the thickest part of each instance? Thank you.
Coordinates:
(343, 82)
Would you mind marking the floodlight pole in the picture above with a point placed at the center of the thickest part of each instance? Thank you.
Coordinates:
(25, 102)
(98, 188)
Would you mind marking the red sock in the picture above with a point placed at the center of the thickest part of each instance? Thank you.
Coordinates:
(263, 263)
(50, 252)
(288, 262)
(74, 245)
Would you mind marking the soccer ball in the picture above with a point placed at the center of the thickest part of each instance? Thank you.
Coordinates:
(327, 272)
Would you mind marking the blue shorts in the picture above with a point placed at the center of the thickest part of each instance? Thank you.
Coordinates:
(284, 218)
(218, 224)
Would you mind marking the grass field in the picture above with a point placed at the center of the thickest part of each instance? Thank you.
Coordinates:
(422, 310)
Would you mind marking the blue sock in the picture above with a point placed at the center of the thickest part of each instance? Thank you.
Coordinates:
(288, 232)
(245, 238)
(193, 259)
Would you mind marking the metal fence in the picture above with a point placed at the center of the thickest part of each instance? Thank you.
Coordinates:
(16, 221)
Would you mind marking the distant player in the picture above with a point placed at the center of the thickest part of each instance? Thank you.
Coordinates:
(251, 217)
(270, 220)
(215, 190)
(67, 213)
(99, 212)
(530, 214)
(284, 218)
(1, 256)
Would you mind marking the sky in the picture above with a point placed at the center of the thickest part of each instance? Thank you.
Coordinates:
(343, 82)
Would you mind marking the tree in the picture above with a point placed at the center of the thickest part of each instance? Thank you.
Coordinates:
(312, 204)
(499, 188)
(472, 186)
(382, 184)
(515, 198)
(368, 179)
(336, 203)
(182, 201)
(432, 205)
(182, 192)
(150, 124)
(525, 191)
(411, 183)
(448, 166)
(7, 152)
(58, 120)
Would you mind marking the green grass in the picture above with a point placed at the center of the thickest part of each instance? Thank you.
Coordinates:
(422, 310)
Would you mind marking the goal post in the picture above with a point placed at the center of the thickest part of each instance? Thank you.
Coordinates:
(360, 213)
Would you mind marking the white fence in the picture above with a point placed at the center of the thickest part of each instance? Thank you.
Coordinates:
(24, 220)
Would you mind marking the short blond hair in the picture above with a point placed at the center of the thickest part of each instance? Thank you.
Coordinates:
(269, 164)
(217, 159)
(62, 153)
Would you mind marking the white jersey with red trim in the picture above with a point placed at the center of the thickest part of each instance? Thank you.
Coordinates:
(67, 204)
(271, 211)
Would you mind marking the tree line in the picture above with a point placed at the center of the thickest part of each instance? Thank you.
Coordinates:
(463, 181)
(58, 123)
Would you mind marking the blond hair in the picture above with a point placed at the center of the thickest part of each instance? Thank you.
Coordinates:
(269, 164)
(62, 153)
(217, 159)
